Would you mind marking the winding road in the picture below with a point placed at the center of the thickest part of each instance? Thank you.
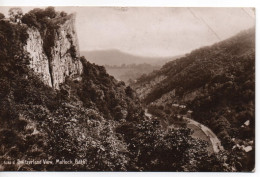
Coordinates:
(216, 144)
(209, 134)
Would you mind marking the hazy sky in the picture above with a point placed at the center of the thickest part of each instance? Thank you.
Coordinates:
(155, 31)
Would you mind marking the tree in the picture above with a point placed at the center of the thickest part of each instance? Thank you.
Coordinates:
(15, 14)
(153, 149)
(2, 16)
(50, 12)
(63, 14)
(31, 20)
(129, 92)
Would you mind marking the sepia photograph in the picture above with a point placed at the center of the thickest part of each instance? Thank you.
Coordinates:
(127, 89)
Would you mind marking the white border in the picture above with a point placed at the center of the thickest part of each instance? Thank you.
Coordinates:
(149, 3)
(160, 3)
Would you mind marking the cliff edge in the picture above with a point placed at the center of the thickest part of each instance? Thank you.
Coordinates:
(54, 52)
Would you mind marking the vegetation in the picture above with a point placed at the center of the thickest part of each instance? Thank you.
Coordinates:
(15, 14)
(2, 16)
(97, 119)
(100, 120)
(45, 20)
(175, 150)
(218, 84)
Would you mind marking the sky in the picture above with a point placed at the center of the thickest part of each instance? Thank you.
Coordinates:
(155, 31)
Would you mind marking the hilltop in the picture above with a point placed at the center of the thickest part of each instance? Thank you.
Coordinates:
(124, 66)
(116, 57)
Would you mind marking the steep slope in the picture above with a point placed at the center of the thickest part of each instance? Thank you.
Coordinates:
(217, 83)
(41, 126)
(90, 122)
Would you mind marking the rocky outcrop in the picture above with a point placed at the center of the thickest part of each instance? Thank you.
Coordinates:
(63, 59)
(39, 61)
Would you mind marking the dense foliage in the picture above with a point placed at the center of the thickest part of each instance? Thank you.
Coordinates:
(218, 84)
(2, 16)
(15, 14)
(95, 119)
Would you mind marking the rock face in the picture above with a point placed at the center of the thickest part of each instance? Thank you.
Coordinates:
(39, 61)
(63, 60)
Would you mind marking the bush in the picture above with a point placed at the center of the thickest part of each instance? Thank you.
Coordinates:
(2, 16)
(15, 14)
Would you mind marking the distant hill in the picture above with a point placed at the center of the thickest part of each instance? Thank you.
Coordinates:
(124, 66)
(216, 82)
(116, 57)
(129, 73)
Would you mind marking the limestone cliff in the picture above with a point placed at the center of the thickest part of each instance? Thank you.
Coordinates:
(39, 61)
(62, 60)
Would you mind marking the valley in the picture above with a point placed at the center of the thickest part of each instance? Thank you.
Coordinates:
(208, 81)
(113, 111)
(124, 66)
